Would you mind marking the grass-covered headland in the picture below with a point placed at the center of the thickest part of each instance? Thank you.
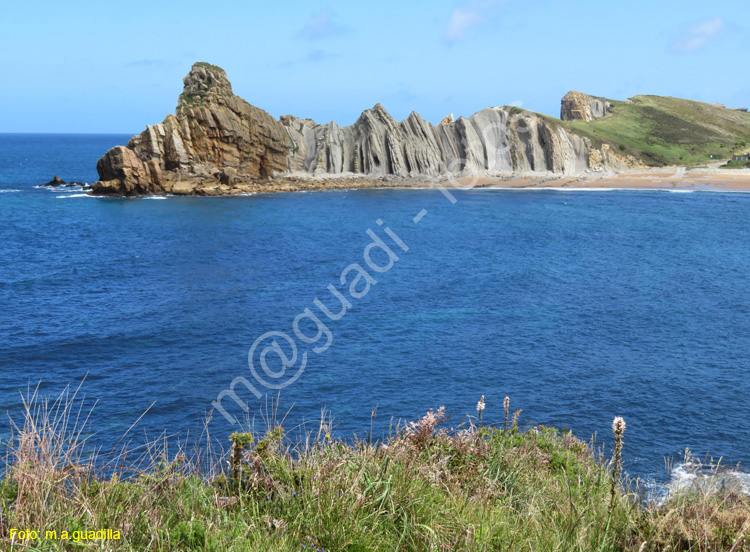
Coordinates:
(426, 488)
(661, 131)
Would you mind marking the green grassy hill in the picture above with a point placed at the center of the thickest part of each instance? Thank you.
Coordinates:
(660, 131)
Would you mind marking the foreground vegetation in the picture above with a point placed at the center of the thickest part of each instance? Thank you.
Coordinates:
(427, 488)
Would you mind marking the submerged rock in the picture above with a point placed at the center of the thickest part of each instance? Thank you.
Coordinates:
(55, 182)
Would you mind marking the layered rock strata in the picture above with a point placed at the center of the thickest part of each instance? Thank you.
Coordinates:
(217, 143)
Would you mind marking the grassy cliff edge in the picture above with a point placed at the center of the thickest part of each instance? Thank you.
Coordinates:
(659, 130)
(425, 488)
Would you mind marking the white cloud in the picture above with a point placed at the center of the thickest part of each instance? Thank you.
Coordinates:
(461, 21)
(697, 37)
(320, 25)
(467, 15)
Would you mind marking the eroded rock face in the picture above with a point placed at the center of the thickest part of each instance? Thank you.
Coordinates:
(447, 120)
(217, 143)
(494, 139)
(213, 131)
(582, 107)
(122, 172)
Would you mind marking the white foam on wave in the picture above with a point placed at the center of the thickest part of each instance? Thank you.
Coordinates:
(8, 191)
(551, 188)
(73, 195)
(723, 191)
(57, 190)
(704, 191)
(706, 479)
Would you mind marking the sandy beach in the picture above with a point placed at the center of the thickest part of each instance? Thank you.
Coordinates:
(673, 178)
(704, 179)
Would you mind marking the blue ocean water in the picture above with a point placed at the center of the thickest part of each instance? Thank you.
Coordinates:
(580, 306)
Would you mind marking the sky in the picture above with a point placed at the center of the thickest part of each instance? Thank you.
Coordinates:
(105, 67)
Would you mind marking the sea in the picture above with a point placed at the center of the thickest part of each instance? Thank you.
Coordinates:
(374, 306)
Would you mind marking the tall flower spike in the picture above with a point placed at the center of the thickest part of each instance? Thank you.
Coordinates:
(618, 426)
(506, 404)
(480, 408)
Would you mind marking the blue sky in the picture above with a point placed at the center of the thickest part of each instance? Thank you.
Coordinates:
(114, 67)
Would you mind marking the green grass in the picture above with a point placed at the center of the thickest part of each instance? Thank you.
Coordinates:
(200, 97)
(660, 131)
(210, 66)
(189, 102)
(425, 489)
(736, 165)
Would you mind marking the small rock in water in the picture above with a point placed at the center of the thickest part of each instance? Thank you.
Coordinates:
(56, 181)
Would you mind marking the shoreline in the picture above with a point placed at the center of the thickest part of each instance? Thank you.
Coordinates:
(679, 179)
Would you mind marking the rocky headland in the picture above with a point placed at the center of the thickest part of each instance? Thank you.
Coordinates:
(217, 144)
(576, 106)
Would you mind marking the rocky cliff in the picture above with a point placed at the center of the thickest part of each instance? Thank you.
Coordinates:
(494, 139)
(217, 143)
(576, 106)
(214, 140)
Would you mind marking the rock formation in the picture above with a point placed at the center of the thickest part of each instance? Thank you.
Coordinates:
(217, 143)
(214, 136)
(55, 182)
(577, 106)
(494, 139)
